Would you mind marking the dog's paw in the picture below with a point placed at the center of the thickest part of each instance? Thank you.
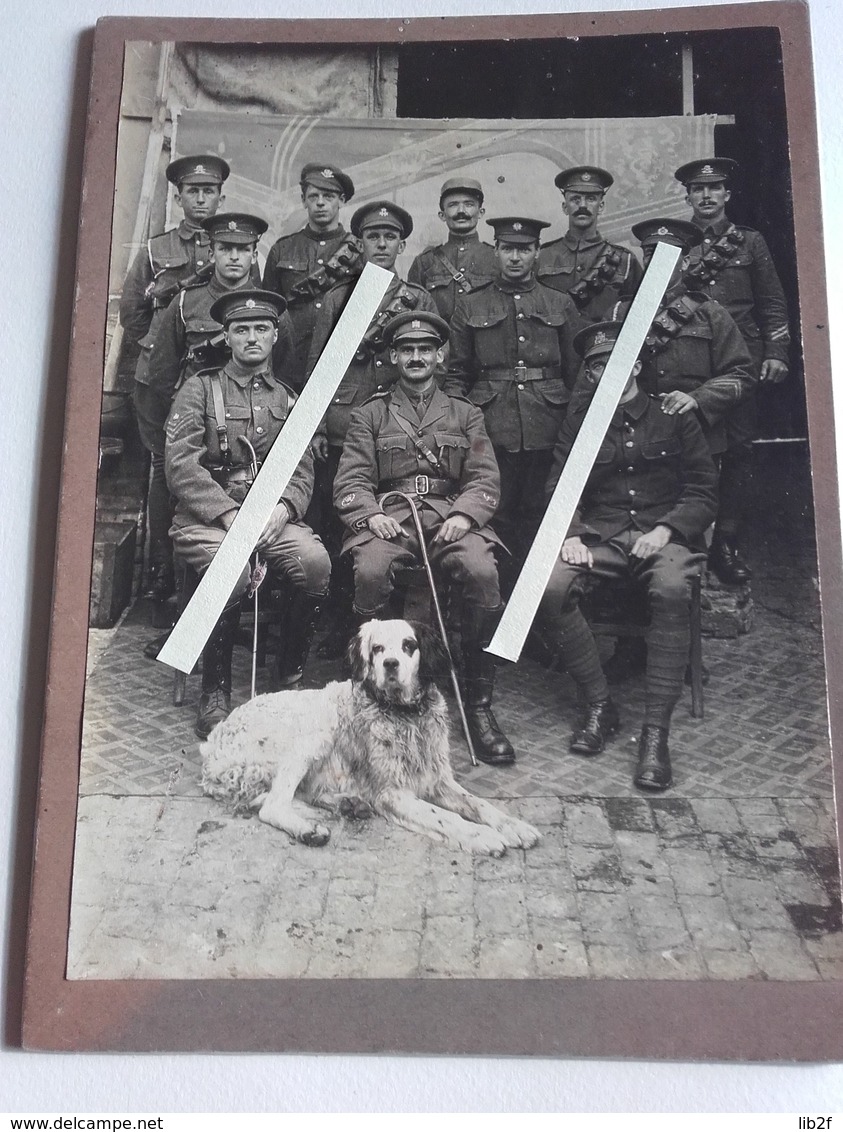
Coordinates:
(316, 836)
(519, 834)
(355, 809)
(486, 841)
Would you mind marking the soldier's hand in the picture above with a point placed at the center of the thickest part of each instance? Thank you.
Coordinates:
(652, 542)
(773, 371)
(275, 525)
(319, 447)
(576, 553)
(384, 526)
(677, 402)
(454, 527)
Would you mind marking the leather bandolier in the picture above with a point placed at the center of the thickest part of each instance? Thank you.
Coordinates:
(343, 264)
(712, 262)
(372, 341)
(594, 281)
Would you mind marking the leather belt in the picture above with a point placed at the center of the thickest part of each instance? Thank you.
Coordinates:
(420, 485)
(520, 373)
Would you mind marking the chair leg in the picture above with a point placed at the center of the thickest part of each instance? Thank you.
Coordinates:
(697, 701)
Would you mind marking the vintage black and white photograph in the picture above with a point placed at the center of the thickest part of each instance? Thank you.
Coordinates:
(336, 791)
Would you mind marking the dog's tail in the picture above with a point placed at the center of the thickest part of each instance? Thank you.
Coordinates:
(229, 776)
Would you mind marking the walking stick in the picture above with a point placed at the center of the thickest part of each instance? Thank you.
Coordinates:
(257, 576)
(440, 620)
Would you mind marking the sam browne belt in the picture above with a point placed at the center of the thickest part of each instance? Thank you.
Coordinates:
(420, 485)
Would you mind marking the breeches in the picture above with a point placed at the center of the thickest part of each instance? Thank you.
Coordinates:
(469, 562)
(297, 555)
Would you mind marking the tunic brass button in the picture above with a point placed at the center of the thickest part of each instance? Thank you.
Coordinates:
(318, 306)
(259, 429)
(516, 296)
(521, 338)
(633, 512)
(520, 386)
(629, 443)
(321, 243)
(378, 362)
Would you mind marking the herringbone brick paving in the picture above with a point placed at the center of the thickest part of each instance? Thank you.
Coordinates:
(733, 874)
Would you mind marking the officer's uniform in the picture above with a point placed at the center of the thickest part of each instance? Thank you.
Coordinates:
(652, 468)
(460, 266)
(594, 272)
(512, 356)
(732, 265)
(209, 471)
(167, 260)
(434, 448)
(305, 265)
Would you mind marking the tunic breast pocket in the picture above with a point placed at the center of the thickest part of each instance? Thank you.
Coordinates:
(237, 419)
(452, 453)
(693, 349)
(660, 456)
(394, 457)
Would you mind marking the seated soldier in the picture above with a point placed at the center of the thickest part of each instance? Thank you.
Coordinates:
(417, 440)
(650, 496)
(221, 427)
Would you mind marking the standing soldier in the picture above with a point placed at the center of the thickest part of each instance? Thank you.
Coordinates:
(382, 227)
(305, 265)
(223, 423)
(733, 265)
(417, 440)
(171, 260)
(463, 263)
(595, 273)
(512, 356)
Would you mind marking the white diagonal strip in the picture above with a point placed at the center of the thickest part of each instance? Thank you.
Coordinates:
(193, 628)
(515, 624)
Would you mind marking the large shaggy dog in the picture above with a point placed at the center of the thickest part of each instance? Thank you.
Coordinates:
(378, 742)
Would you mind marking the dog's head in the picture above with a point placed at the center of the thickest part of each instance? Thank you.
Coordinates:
(396, 660)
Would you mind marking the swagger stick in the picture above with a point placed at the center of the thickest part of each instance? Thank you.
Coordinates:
(440, 620)
(258, 573)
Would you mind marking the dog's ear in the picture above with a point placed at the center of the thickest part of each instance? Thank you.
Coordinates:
(433, 659)
(357, 654)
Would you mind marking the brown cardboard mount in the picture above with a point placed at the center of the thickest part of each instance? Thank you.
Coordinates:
(748, 1020)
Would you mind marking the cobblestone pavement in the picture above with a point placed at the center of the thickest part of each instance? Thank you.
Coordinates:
(732, 875)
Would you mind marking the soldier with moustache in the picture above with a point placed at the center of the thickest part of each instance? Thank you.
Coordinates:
(464, 263)
(382, 228)
(305, 265)
(512, 356)
(593, 272)
(223, 422)
(732, 265)
(648, 500)
(417, 440)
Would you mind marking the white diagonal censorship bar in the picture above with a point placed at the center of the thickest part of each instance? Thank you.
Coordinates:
(514, 626)
(193, 628)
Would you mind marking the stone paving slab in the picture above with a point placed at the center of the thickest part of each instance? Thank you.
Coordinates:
(177, 887)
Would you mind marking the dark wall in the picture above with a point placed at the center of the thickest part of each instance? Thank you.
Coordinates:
(735, 72)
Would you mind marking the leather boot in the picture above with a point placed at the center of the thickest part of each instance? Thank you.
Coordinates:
(490, 743)
(215, 701)
(600, 721)
(653, 770)
(296, 638)
(725, 560)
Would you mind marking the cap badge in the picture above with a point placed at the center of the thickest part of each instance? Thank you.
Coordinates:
(706, 169)
(327, 172)
(416, 324)
(586, 176)
(517, 226)
(232, 225)
(200, 169)
(251, 303)
(598, 338)
(663, 231)
(383, 212)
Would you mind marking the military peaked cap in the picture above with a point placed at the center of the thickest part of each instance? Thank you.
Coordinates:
(235, 227)
(325, 176)
(382, 214)
(417, 326)
(206, 169)
(666, 230)
(584, 179)
(248, 305)
(461, 185)
(600, 338)
(518, 229)
(707, 169)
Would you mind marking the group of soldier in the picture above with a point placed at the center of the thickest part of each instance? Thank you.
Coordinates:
(465, 393)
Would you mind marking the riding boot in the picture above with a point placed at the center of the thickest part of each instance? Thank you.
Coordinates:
(490, 743)
(725, 559)
(215, 701)
(297, 634)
